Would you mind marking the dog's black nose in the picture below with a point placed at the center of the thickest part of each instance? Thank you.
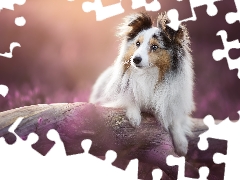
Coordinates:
(137, 60)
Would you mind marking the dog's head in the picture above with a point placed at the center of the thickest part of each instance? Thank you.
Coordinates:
(147, 46)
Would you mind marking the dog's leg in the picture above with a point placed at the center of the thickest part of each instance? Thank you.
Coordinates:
(133, 114)
(180, 141)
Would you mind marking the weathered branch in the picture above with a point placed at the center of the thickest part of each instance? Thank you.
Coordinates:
(108, 129)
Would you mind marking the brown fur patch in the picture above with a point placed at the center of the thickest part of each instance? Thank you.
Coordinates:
(127, 57)
(129, 53)
(178, 41)
(141, 22)
(140, 39)
(161, 59)
(174, 36)
(154, 41)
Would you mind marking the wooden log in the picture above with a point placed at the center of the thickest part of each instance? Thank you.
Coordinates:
(108, 128)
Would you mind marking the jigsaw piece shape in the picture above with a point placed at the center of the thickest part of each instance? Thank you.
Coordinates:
(20, 21)
(224, 53)
(9, 4)
(21, 157)
(157, 174)
(131, 169)
(219, 131)
(18, 157)
(174, 19)
(39, 123)
(10, 137)
(58, 149)
(110, 157)
(3, 90)
(7, 132)
(180, 162)
(12, 46)
(174, 16)
(211, 8)
(102, 12)
(231, 160)
(21, 145)
(153, 6)
(65, 165)
(232, 17)
(203, 155)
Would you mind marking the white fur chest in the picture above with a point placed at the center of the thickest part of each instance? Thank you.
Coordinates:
(141, 86)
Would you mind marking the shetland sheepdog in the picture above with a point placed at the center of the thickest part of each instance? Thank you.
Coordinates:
(152, 73)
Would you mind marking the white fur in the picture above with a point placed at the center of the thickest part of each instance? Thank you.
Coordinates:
(171, 101)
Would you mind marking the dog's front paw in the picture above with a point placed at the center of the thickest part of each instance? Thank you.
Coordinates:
(134, 117)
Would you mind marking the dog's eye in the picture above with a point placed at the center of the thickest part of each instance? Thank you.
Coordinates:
(154, 47)
(137, 43)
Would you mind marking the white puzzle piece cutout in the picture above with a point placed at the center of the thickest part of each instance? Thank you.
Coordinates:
(9, 4)
(153, 6)
(157, 174)
(232, 17)
(180, 162)
(219, 54)
(20, 21)
(20, 158)
(229, 131)
(103, 12)
(173, 13)
(12, 46)
(3, 90)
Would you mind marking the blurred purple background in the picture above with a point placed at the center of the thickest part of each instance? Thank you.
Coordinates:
(63, 50)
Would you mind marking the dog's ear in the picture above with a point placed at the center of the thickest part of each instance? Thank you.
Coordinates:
(173, 36)
(134, 24)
